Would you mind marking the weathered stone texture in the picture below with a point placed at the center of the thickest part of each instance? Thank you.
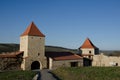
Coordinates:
(66, 63)
(34, 50)
(103, 60)
(10, 63)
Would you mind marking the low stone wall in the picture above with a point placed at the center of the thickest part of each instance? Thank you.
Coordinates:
(66, 63)
(103, 60)
(10, 63)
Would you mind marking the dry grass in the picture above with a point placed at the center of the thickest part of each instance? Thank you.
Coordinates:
(17, 75)
(88, 73)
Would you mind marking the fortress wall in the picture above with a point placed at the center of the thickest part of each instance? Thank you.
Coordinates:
(10, 64)
(66, 63)
(103, 60)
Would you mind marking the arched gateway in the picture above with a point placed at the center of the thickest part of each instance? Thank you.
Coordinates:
(32, 42)
(35, 65)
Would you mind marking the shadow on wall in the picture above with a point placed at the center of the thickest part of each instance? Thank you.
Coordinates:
(87, 62)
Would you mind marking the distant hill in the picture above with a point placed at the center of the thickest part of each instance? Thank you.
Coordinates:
(59, 49)
(15, 47)
(112, 52)
(9, 47)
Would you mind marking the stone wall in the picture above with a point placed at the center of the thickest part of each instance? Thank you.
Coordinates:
(10, 63)
(88, 51)
(66, 63)
(34, 50)
(103, 60)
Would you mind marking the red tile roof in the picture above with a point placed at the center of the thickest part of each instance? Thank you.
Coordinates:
(32, 30)
(11, 55)
(70, 57)
(62, 56)
(88, 44)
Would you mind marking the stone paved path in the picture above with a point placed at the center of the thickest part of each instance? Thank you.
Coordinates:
(45, 75)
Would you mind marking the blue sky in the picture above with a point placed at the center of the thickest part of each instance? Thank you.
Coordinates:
(65, 23)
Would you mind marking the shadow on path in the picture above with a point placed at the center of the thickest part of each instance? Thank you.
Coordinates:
(46, 75)
(39, 76)
(57, 78)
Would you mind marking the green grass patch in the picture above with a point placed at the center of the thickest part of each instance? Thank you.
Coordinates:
(17, 75)
(88, 73)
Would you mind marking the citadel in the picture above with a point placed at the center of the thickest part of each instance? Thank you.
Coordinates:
(32, 54)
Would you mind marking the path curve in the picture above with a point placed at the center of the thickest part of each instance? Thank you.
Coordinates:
(45, 74)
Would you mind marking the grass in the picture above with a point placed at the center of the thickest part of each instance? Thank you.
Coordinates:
(17, 75)
(88, 73)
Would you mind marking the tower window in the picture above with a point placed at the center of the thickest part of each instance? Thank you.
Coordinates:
(89, 56)
(38, 54)
(89, 51)
(116, 64)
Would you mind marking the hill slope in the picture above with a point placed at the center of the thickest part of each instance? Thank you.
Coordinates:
(9, 47)
(15, 47)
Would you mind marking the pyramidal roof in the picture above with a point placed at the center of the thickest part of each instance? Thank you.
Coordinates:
(88, 44)
(32, 30)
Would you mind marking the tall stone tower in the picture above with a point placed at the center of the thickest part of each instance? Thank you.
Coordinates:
(32, 42)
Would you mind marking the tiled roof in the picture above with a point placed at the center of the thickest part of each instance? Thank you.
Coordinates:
(62, 56)
(88, 44)
(32, 30)
(11, 55)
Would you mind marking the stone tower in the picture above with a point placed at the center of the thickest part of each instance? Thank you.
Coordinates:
(32, 42)
(88, 48)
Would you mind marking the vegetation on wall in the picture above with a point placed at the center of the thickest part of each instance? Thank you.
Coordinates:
(11, 63)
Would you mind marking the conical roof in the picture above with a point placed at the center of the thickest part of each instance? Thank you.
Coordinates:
(32, 30)
(88, 44)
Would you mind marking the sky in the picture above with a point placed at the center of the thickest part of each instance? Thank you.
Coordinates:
(66, 23)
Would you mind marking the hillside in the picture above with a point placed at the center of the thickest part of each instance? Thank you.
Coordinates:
(15, 47)
(59, 49)
(9, 47)
(112, 53)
